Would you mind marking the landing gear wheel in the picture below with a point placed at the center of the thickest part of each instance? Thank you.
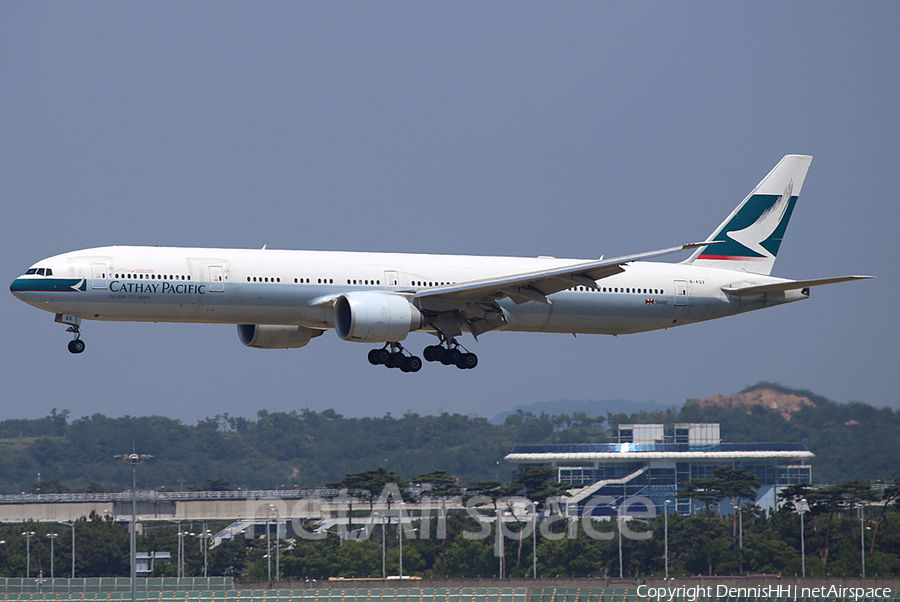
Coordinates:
(395, 360)
(378, 357)
(428, 353)
(411, 364)
(76, 346)
(451, 357)
(467, 361)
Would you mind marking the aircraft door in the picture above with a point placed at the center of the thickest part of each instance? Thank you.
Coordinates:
(216, 279)
(98, 276)
(681, 292)
(391, 280)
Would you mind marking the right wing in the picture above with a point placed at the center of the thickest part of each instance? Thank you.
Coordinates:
(473, 305)
(536, 286)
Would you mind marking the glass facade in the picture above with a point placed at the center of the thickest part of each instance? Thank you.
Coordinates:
(660, 477)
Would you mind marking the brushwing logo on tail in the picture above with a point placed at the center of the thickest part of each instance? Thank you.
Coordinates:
(759, 239)
(764, 227)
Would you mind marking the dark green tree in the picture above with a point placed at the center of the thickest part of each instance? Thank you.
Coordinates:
(708, 492)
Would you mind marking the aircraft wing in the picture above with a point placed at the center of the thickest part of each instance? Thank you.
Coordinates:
(536, 286)
(789, 286)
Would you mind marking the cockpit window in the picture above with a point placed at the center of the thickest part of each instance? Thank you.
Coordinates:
(31, 271)
(40, 271)
(49, 272)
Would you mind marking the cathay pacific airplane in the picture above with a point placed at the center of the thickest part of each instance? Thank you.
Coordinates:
(283, 299)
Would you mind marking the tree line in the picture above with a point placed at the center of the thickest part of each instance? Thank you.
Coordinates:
(747, 542)
(308, 449)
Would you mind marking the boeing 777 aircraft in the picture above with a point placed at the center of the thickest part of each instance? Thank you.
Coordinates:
(283, 299)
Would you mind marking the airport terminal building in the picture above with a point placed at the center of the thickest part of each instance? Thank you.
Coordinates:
(652, 461)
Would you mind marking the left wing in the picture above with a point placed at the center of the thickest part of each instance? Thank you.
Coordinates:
(790, 285)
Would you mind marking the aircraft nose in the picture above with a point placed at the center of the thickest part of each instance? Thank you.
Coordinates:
(18, 288)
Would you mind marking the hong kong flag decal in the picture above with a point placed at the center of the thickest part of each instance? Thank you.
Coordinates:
(648, 302)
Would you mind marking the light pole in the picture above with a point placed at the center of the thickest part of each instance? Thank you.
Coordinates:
(400, 535)
(619, 529)
(184, 535)
(740, 540)
(277, 543)
(28, 535)
(802, 506)
(666, 536)
(862, 539)
(180, 547)
(181, 536)
(133, 459)
(52, 537)
(383, 546)
(268, 543)
(72, 524)
(204, 541)
(534, 518)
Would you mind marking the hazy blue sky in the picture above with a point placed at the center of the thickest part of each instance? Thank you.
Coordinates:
(506, 128)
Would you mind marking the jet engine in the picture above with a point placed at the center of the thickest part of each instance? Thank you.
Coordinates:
(370, 317)
(268, 336)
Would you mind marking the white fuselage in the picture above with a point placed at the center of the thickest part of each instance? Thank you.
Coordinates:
(241, 286)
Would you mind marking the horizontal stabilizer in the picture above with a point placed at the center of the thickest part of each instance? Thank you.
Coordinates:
(789, 286)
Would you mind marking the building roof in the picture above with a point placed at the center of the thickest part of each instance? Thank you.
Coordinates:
(631, 451)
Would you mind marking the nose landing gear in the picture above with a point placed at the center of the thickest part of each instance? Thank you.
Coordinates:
(76, 345)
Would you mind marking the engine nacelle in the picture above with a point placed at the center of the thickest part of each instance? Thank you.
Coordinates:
(370, 317)
(269, 336)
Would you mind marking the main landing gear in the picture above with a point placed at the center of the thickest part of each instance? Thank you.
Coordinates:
(449, 353)
(392, 356)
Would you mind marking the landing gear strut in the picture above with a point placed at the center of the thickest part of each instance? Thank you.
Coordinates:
(392, 356)
(449, 354)
(76, 345)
